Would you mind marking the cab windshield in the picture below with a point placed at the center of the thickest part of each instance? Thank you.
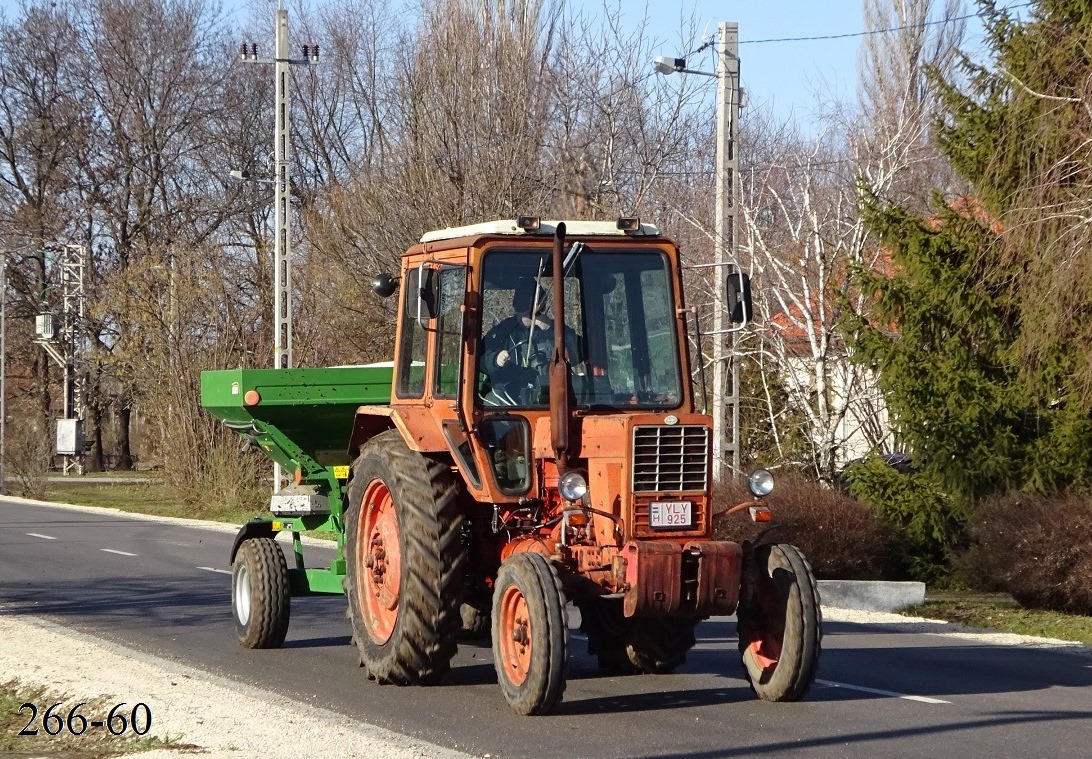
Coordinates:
(619, 329)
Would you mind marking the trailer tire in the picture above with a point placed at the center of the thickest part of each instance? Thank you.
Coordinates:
(605, 626)
(659, 645)
(405, 562)
(780, 623)
(530, 634)
(260, 594)
(637, 645)
(476, 618)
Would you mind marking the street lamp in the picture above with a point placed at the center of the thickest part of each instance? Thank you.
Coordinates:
(676, 65)
(728, 105)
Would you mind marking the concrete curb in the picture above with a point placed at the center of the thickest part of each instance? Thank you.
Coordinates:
(871, 595)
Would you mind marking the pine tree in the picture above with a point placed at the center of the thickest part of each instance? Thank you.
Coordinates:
(983, 333)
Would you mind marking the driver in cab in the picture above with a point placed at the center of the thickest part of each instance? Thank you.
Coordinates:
(516, 351)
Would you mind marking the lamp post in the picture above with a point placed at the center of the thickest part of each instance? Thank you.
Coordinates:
(725, 252)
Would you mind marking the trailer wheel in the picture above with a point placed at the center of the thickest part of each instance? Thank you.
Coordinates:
(260, 594)
(638, 645)
(530, 634)
(604, 624)
(475, 616)
(405, 562)
(658, 645)
(779, 623)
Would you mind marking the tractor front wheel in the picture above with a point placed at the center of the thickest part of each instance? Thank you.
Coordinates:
(405, 562)
(779, 623)
(260, 594)
(530, 634)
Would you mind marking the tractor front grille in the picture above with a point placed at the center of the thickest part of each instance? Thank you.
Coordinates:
(670, 459)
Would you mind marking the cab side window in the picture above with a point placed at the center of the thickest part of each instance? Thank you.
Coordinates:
(413, 346)
(449, 335)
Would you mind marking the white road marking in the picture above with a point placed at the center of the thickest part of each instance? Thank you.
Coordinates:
(878, 692)
(214, 569)
(39, 535)
(119, 553)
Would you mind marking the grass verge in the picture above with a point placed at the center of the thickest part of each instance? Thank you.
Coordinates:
(144, 498)
(1003, 613)
(153, 498)
(73, 737)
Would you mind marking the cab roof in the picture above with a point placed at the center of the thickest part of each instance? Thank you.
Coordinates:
(547, 228)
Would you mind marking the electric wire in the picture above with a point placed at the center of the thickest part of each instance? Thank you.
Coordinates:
(878, 31)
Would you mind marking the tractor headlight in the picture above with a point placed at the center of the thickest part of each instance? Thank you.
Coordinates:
(573, 486)
(760, 482)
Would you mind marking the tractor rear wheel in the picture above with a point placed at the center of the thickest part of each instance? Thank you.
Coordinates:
(530, 634)
(637, 645)
(779, 623)
(405, 561)
(260, 594)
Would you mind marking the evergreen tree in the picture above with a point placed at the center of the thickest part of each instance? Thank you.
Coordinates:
(983, 331)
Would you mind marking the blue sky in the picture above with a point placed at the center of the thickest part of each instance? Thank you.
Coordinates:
(784, 76)
(787, 77)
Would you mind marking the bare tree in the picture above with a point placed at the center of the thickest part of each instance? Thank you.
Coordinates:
(804, 235)
(40, 132)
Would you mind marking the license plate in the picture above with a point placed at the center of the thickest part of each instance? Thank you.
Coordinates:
(670, 515)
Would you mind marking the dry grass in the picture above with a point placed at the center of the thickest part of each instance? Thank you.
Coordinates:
(91, 743)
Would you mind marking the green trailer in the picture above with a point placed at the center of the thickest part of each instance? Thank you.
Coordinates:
(302, 419)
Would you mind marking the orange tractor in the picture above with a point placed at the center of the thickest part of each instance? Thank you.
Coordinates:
(535, 443)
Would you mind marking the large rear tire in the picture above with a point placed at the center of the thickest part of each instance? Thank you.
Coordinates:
(780, 623)
(260, 594)
(405, 562)
(530, 634)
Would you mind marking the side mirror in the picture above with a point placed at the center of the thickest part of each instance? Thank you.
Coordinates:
(384, 285)
(739, 297)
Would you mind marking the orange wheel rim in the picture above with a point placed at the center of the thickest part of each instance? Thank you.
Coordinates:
(766, 651)
(515, 635)
(379, 570)
(766, 645)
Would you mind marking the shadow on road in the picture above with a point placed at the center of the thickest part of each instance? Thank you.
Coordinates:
(796, 746)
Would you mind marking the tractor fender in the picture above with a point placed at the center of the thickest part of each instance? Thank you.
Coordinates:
(418, 426)
(257, 528)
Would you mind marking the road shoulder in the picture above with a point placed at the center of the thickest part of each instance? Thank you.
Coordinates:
(223, 717)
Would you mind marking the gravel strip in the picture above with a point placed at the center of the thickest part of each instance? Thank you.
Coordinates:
(222, 717)
(907, 624)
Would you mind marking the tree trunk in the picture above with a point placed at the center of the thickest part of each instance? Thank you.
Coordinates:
(94, 460)
(125, 454)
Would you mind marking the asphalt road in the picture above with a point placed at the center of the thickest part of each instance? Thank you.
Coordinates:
(882, 693)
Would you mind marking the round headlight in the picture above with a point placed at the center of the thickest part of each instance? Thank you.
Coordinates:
(572, 486)
(760, 482)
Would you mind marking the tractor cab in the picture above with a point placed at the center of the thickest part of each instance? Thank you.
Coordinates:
(480, 317)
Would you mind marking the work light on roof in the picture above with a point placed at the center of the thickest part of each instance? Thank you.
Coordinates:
(529, 223)
(629, 223)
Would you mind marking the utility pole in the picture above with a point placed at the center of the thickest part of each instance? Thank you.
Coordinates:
(282, 199)
(726, 369)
